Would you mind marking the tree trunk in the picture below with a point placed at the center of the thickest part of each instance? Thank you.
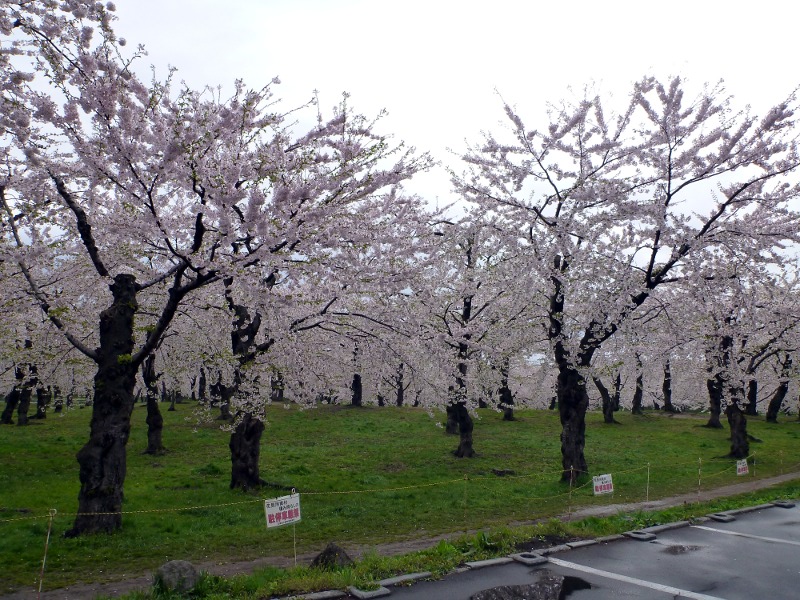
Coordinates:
(607, 402)
(638, 396)
(780, 393)
(666, 388)
(221, 395)
(155, 422)
(226, 394)
(276, 387)
(638, 393)
(451, 426)
(751, 409)
(245, 445)
(357, 396)
(24, 402)
(245, 442)
(506, 398)
(399, 387)
(714, 386)
(155, 427)
(58, 402)
(465, 427)
(776, 401)
(573, 401)
(740, 447)
(102, 459)
(201, 386)
(12, 400)
(43, 397)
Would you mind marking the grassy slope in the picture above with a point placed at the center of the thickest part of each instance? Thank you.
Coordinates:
(388, 451)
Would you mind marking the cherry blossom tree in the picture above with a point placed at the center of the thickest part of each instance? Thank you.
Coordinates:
(615, 206)
(152, 192)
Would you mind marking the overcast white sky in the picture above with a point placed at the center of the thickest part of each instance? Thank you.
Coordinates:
(435, 64)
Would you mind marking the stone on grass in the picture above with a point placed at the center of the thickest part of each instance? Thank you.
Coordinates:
(333, 557)
(178, 576)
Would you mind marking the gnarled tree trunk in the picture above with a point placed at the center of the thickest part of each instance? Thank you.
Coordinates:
(638, 392)
(155, 422)
(666, 388)
(776, 401)
(573, 401)
(102, 459)
(740, 447)
(12, 398)
(25, 397)
(751, 409)
(245, 446)
(400, 389)
(43, 396)
(276, 387)
(221, 395)
(506, 398)
(201, 386)
(451, 425)
(714, 386)
(357, 391)
(465, 427)
(608, 404)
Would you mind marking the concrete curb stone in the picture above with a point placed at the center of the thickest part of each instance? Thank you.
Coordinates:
(581, 543)
(401, 579)
(665, 527)
(491, 562)
(639, 535)
(553, 549)
(366, 594)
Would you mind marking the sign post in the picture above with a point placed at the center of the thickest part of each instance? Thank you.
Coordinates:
(603, 484)
(741, 467)
(284, 511)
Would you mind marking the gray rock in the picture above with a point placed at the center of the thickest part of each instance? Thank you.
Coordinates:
(549, 587)
(333, 557)
(178, 576)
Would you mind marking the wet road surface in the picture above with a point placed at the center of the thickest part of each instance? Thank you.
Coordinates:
(755, 556)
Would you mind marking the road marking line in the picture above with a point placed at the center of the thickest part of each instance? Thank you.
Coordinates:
(668, 589)
(748, 535)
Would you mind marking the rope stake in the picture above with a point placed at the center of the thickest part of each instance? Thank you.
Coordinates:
(53, 512)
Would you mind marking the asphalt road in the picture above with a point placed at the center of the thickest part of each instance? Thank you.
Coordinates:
(756, 556)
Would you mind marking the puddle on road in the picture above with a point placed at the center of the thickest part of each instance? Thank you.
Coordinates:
(679, 549)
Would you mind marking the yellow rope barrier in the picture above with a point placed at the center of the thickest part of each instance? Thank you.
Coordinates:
(394, 489)
(480, 481)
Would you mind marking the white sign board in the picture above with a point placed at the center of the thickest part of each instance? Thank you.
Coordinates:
(282, 511)
(603, 484)
(741, 467)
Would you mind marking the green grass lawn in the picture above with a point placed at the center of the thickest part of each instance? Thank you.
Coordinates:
(365, 476)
